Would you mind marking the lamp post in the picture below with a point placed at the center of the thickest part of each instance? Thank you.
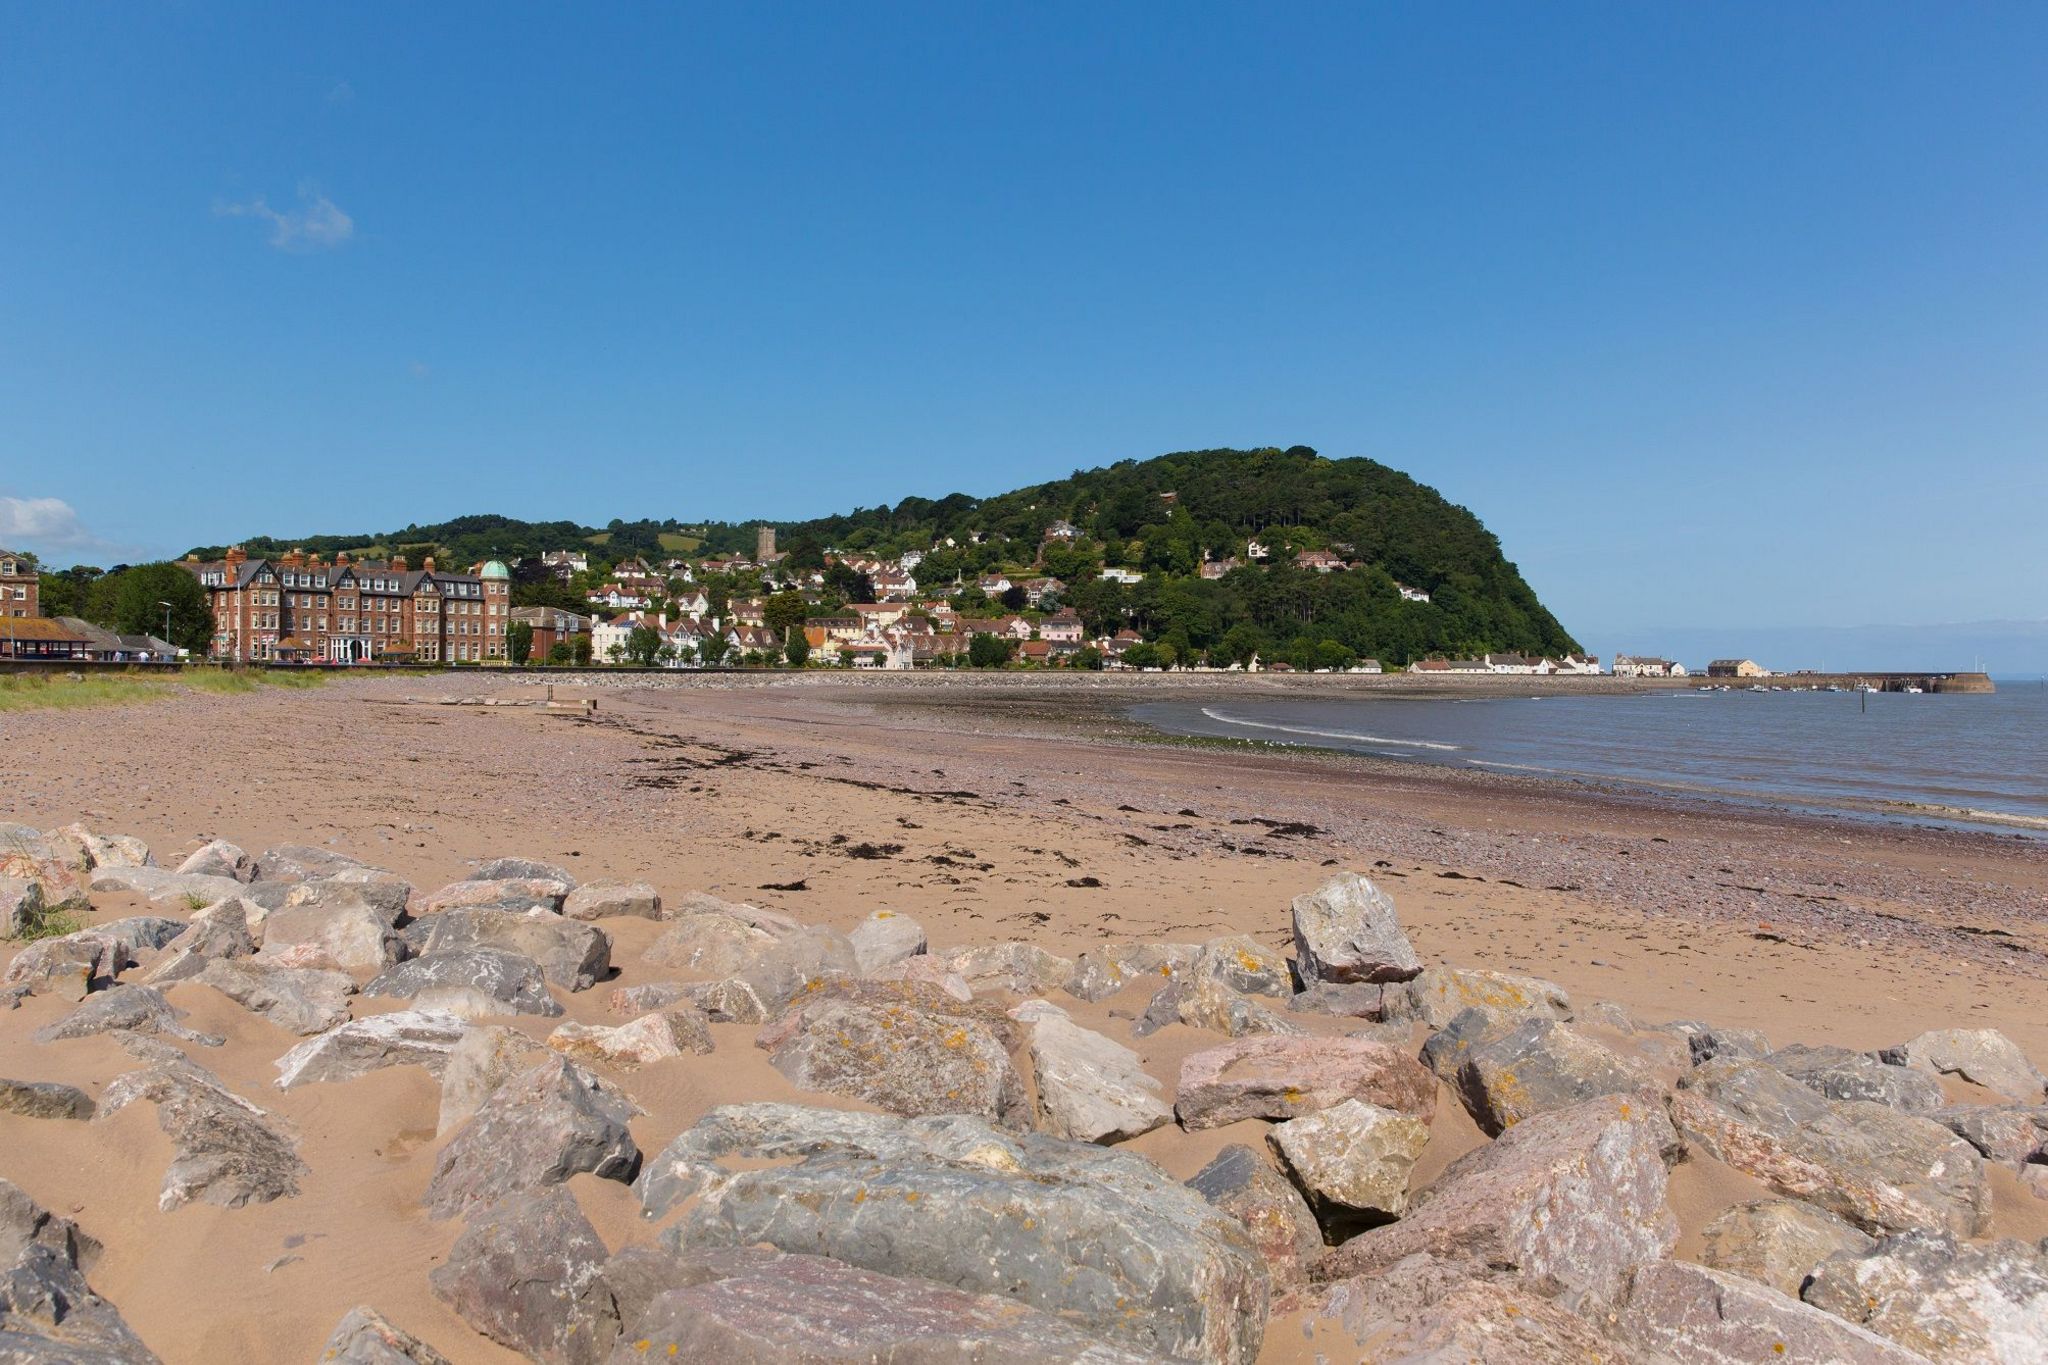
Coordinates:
(167, 621)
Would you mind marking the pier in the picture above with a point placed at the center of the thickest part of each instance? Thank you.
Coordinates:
(1883, 682)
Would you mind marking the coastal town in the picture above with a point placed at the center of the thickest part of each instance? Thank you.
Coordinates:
(857, 611)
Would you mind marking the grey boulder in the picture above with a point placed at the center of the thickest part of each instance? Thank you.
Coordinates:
(1778, 1242)
(1347, 931)
(610, 900)
(133, 1009)
(44, 1100)
(1100, 1236)
(1882, 1170)
(300, 1000)
(910, 1050)
(1570, 1201)
(521, 869)
(520, 1272)
(302, 862)
(1981, 1303)
(758, 1307)
(1277, 1078)
(162, 887)
(885, 938)
(1205, 1002)
(1090, 1088)
(472, 982)
(516, 895)
(221, 931)
(571, 955)
(1982, 1055)
(1841, 1074)
(1352, 1158)
(366, 1337)
(1439, 994)
(1683, 1312)
(482, 1059)
(537, 1129)
(219, 858)
(1536, 1066)
(1272, 1212)
(422, 1038)
(229, 1151)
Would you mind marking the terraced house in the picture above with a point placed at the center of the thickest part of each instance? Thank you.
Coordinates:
(298, 609)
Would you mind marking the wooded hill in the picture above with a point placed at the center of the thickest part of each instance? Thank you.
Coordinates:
(1163, 517)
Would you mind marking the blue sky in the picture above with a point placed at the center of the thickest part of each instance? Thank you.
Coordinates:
(1719, 315)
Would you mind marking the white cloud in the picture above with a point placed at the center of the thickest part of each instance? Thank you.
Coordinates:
(342, 93)
(26, 522)
(317, 224)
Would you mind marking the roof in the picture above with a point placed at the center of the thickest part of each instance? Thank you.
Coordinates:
(40, 628)
(495, 570)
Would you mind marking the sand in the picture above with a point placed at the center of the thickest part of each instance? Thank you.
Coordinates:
(984, 817)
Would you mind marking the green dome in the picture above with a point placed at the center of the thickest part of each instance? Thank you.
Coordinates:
(495, 568)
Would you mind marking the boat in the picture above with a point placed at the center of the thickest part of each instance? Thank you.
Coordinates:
(1913, 691)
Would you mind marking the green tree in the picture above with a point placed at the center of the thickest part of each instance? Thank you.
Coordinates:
(1014, 598)
(1089, 657)
(519, 642)
(989, 651)
(798, 648)
(711, 650)
(784, 613)
(643, 645)
(1240, 645)
(1142, 655)
(615, 651)
(560, 653)
(138, 609)
(581, 649)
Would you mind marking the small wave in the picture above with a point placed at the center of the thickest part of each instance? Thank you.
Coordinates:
(1351, 735)
(1519, 767)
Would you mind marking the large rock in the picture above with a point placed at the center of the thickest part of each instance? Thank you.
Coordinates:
(521, 869)
(611, 900)
(222, 931)
(1019, 968)
(483, 1058)
(47, 1310)
(1090, 1088)
(1352, 1158)
(303, 1000)
(516, 895)
(676, 1031)
(134, 1009)
(911, 1051)
(423, 1038)
(56, 869)
(1105, 970)
(1347, 931)
(1205, 1002)
(1440, 994)
(1349, 999)
(1882, 1170)
(229, 1152)
(754, 1307)
(366, 1337)
(1100, 1236)
(1778, 1242)
(472, 982)
(1284, 1078)
(519, 1273)
(537, 1129)
(2013, 1135)
(25, 1223)
(1983, 1055)
(885, 938)
(219, 858)
(302, 862)
(1688, 1313)
(386, 893)
(1539, 1065)
(1705, 1042)
(1841, 1074)
(344, 932)
(21, 906)
(182, 890)
(798, 963)
(571, 955)
(1983, 1303)
(1570, 1201)
(1244, 965)
(730, 1001)
(69, 967)
(1425, 1311)
(1268, 1207)
(44, 1100)
(111, 851)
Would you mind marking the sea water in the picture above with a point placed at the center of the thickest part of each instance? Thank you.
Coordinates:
(1960, 758)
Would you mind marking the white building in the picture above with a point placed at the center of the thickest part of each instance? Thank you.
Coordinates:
(1123, 576)
(1646, 666)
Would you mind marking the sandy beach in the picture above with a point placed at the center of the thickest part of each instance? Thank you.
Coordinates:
(987, 812)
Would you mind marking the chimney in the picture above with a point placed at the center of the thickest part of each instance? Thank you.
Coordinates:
(341, 557)
(398, 563)
(664, 620)
(296, 559)
(313, 560)
(236, 557)
(428, 564)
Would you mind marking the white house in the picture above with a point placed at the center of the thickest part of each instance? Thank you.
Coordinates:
(1409, 594)
(1646, 666)
(1123, 576)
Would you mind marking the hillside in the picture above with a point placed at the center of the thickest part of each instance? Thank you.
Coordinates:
(1161, 517)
